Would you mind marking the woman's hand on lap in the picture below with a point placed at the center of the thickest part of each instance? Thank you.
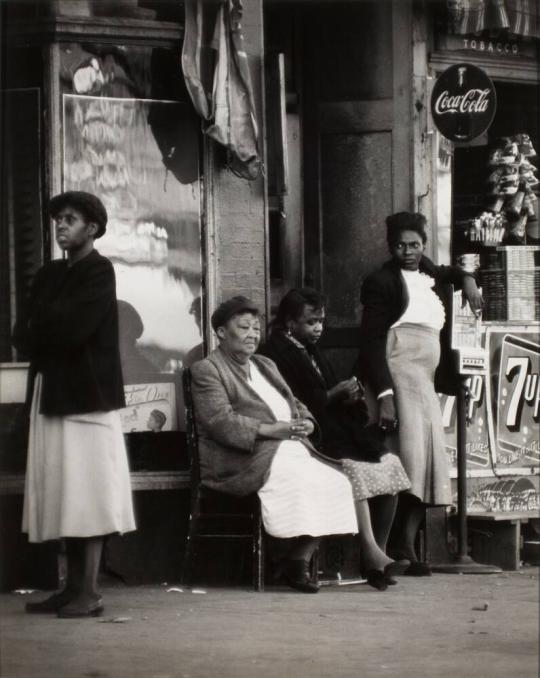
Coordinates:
(287, 430)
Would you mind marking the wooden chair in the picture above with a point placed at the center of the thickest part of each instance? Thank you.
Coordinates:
(215, 515)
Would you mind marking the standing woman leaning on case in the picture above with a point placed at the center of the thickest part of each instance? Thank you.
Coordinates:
(77, 476)
(403, 336)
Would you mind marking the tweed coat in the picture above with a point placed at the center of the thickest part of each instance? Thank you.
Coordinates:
(385, 299)
(228, 413)
(70, 333)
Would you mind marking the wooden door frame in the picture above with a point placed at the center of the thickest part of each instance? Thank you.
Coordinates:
(396, 115)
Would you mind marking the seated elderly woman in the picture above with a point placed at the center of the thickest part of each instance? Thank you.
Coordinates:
(338, 406)
(254, 437)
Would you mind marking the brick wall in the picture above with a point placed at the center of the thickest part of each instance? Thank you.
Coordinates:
(237, 216)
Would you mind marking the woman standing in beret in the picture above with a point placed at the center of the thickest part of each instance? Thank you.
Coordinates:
(77, 479)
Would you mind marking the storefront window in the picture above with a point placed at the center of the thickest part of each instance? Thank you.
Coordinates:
(114, 120)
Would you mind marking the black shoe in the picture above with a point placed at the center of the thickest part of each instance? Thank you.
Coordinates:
(51, 604)
(82, 607)
(418, 569)
(295, 573)
(377, 579)
(395, 569)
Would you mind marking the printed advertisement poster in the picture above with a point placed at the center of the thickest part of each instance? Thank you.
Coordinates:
(477, 450)
(510, 493)
(514, 397)
(149, 407)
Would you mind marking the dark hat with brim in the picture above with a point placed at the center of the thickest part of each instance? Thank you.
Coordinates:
(232, 307)
(86, 203)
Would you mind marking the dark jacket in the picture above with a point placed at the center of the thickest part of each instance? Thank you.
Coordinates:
(228, 413)
(70, 334)
(385, 299)
(343, 426)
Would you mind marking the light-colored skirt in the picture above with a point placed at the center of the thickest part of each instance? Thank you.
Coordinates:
(373, 478)
(413, 352)
(77, 476)
(303, 496)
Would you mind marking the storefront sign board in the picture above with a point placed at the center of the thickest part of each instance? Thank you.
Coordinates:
(463, 102)
(503, 411)
(491, 47)
(514, 397)
(479, 460)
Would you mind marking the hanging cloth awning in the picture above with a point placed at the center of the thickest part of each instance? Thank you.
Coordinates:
(518, 17)
(216, 71)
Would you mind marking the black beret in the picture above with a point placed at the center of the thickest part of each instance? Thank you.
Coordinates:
(86, 203)
(226, 310)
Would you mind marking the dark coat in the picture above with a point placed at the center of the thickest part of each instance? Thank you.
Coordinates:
(385, 299)
(228, 413)
(71, 337)
(343, 427)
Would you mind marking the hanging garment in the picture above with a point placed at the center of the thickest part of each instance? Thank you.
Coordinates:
(229, 106)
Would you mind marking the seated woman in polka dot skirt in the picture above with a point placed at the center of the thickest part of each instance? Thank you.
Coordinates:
(339, 408)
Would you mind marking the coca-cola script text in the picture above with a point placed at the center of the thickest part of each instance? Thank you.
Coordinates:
(473, 101)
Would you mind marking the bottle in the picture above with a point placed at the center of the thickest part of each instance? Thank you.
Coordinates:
(463, 123)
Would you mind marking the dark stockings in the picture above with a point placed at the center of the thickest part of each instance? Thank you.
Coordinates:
(409, 517)
(382, 510)
(83, 558)
(302, 548)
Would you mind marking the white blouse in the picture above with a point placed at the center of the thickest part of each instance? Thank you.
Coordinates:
(425, 307)
(267, 392)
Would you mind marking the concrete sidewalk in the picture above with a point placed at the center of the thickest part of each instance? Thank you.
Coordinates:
(434, 627)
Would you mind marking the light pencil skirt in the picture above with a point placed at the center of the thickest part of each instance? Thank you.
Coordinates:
(412, 352)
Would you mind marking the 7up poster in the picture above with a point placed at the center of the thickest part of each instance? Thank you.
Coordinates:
(514, 397)
(477, 449)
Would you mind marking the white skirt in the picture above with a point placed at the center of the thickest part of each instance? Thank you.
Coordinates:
(303, 496)
(77, 476)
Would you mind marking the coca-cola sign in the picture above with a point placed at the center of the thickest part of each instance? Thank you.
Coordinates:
(463, 102)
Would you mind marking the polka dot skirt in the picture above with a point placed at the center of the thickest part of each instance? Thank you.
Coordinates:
(370, 479)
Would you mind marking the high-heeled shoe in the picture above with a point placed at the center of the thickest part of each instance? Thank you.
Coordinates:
(418, 569)
(295, 573)
(397, 568)
(377, 579)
